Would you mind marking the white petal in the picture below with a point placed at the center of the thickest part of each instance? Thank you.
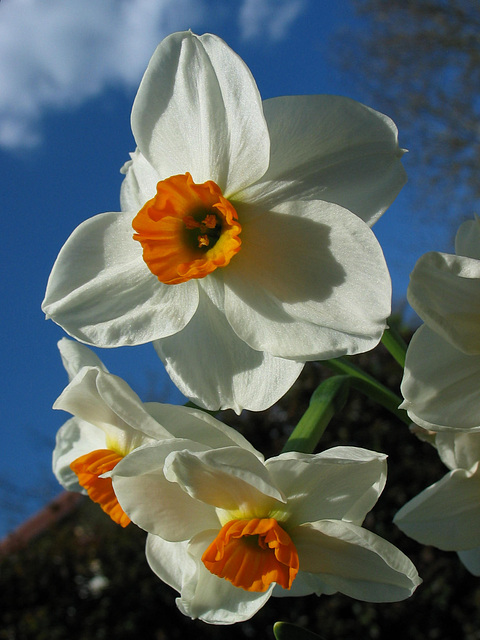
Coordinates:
(155, 504)
(107, 402)
(345, 484)
(330, 148)
(458, 449)
(101, 291)
(198, 110)
(304, 585)
(193, 424)
(74, 439)
(228, 374)
(445, 292)
(471, 560)
(440, 384)
(230, 479)
(467, 240)
(140, 183)
(446, 514)
(310, 282)
(213, 599)
(170, 561)
(354, 561)
(76, 355)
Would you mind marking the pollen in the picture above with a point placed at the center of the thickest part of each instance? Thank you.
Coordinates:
(252, 554)
(88, 468)
(187, 230)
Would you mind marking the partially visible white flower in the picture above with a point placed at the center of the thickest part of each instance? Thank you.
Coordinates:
(243, 248)
(110, 421)
(447, 514)
(227, 530)
(441, 383)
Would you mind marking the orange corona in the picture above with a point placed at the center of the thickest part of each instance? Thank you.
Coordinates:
(88, 468)
(187, 230)
(251, 554)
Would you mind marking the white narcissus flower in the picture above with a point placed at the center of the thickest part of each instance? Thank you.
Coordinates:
(441, 383)
(236, 251)
(447, 514)
(227, 530)
(110, 421)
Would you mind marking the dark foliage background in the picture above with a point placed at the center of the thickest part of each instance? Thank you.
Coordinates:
(87, 579)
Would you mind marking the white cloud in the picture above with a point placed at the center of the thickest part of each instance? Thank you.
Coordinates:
(59, 53)
(274, 17)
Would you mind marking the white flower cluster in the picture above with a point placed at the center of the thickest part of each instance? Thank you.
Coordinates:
(242, 251)
(183, 476)
(441, 387)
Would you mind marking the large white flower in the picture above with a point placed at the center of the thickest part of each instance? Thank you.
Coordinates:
(441, 383)
(447, 514)
(227, 530)
(110, 421)
(245, 259)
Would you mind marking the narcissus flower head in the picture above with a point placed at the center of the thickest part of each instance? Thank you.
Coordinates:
(441, 383)
(244, 248)
(110, 421)
(227, 530)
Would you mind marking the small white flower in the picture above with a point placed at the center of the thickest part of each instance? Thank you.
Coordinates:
(441, 383)
(244, 248)
(447, 514)
(110, 421)
(227, 530)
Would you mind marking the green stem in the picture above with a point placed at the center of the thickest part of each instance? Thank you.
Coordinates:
(395, 344)
(326, 401)
(369, 386)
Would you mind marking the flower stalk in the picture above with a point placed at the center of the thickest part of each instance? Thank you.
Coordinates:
(369, 386)
(395, 345)
(328, 399)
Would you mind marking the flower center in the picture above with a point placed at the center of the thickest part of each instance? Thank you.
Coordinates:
(187, 230)
(88, 468)
(251, 554)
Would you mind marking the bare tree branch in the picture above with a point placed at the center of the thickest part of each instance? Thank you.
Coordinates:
(419, 61)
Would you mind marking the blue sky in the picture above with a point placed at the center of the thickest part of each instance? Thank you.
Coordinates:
(69, 70)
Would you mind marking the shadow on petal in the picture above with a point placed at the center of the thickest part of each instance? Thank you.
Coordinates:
(287, 256)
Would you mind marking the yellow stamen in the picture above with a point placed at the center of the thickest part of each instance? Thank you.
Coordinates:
(251, 554)
(203, 241)
(187, 230)
(88, 468)
(210, 221)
